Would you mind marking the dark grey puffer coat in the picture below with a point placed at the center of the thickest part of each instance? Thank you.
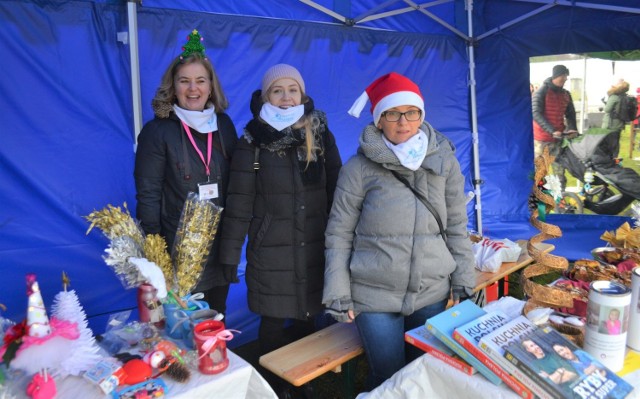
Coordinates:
(163, 181)
(285, 220)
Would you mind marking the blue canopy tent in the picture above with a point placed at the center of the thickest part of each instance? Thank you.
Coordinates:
(70, 118)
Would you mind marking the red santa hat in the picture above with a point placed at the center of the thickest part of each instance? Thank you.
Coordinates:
(388, 91)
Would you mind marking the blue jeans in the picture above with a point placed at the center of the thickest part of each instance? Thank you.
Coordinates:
(382, 336)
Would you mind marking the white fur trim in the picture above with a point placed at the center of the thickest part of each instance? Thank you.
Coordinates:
(395, 100)
(359, 104)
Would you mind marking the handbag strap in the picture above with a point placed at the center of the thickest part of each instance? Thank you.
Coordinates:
(424, 200)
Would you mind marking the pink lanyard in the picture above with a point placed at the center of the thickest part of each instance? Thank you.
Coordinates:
(193, 143)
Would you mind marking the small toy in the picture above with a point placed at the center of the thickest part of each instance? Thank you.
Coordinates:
(42, 386)
(150, 389)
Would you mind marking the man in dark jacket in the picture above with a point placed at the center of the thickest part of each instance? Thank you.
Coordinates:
(554, 117)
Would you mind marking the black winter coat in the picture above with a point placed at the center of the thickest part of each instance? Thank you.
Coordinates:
(285, 220)
(163, 182)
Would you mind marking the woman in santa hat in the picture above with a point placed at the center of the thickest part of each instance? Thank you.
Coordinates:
(391, 262)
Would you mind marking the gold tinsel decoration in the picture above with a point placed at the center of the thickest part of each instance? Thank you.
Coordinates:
(155, 250)
(544, 263)
(196, 231)
(114, 223)
(624, 237)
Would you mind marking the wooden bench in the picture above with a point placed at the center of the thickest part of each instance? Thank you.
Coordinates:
(312, 356)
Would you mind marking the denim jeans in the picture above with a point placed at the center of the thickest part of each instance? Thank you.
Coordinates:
(382, 336)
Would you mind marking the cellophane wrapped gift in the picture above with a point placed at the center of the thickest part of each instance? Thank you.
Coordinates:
(195, 235)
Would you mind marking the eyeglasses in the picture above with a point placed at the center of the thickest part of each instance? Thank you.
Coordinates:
(394, 116)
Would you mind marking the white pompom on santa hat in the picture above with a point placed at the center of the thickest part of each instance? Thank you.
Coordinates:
(388, 91)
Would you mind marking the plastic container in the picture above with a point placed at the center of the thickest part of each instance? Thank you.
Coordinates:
(178, 324)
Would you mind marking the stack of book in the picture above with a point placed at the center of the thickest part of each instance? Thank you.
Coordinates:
(535, 362)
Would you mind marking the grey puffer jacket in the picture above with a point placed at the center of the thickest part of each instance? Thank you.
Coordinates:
(384, 250)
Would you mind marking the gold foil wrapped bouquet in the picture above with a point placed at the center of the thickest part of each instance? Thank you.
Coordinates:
(195, 235)
(127, 240)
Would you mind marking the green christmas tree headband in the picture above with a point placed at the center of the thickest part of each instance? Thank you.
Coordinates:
(193, 45)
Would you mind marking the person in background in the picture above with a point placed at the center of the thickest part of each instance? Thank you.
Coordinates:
(390, 266)
(283, 176)
(612, 110)
(554, 117)
(187, 145)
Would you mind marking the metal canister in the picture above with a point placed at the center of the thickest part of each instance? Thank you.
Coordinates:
(149, 306)
(607, 322)
(633, 338)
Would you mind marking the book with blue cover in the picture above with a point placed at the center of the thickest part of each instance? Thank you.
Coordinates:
(443, 324)
(493, 345)
(565, 370)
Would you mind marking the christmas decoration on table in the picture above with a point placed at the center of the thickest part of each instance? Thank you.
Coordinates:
(624, 237)
(623, 253)
(555, 297)
(196, 231)
(84, 351)
(167, 359)
(39, 344)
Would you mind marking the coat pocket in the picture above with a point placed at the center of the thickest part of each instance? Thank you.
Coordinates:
(262, 231)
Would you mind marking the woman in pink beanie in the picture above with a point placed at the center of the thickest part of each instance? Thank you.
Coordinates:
(283, 175)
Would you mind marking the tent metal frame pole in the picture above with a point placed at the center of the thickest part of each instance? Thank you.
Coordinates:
(515, 21)
(477, 182)
(132, 16)
(583, 103)
(325, 10)
(580, 4)
(371, 12)
(438, 20)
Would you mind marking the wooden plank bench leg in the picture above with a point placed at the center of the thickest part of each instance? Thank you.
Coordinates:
(349, 378)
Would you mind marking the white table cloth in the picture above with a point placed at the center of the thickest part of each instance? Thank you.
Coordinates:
(428, 377)
(239, 381)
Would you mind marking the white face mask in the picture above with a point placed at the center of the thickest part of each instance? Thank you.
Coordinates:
(280, 118)
(203, 121)
(411, 153)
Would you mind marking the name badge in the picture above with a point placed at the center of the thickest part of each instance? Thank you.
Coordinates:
(207, 191)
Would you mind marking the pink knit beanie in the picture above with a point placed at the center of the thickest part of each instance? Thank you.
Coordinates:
(281, 71)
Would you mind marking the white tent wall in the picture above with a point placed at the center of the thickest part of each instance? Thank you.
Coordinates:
(68, 128)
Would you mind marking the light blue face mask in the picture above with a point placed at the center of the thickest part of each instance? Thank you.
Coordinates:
(281, 118)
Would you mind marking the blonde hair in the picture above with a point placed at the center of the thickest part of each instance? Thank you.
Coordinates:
(165, 96)
(310, 123)
(619, 88)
